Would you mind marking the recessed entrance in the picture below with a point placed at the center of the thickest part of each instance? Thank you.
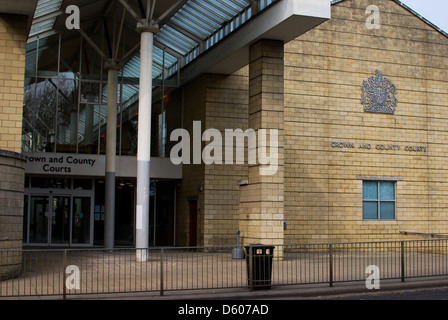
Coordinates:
(59, 219)
(70, 212)
(55, 214)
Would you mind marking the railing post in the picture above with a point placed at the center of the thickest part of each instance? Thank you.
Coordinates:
(250, 270)
(402, 262)
(162, 254)
(331, 264)
(64, 275)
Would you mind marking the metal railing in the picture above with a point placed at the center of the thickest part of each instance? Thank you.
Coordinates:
(100, 271)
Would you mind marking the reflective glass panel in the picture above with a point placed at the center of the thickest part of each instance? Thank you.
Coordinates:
(387, 210)
(370, 210)
(370, 190)
(387, 190)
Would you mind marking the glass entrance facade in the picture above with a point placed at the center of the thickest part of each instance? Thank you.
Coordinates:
(70, 212)
(58, 211)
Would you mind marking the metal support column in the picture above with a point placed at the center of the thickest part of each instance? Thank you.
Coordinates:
(111, 150)
(147, 30)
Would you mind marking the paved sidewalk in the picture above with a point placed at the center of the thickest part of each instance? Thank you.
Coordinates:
(296, 292)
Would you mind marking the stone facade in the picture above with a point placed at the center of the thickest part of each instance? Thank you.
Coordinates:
(328, 134)
(328, 144)
(310, 91)
(12, 170)
(218, 102)
(13, 37)
(261, 200)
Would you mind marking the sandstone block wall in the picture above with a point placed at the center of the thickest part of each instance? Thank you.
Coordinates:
(329, 145)
(13, 37)
(324, 72)
(12, 171)
(218, 102)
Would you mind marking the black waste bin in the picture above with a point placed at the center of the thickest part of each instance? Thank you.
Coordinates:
(259, 266)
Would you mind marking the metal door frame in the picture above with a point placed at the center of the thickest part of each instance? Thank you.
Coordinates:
(51, 193)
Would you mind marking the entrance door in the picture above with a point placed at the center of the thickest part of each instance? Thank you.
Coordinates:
(81, 220)
(59, 219)
(38, 219)
(162, 213)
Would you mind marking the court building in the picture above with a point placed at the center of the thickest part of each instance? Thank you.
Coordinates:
(116, 121)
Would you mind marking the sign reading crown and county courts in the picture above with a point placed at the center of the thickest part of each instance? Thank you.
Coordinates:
(65, 164)
(379, 146)
(88, 165)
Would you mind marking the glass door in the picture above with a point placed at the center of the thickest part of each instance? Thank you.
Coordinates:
(59, 220)
(38, 219)
(81, 220)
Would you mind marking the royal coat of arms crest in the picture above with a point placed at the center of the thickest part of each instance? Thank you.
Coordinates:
(379, 94)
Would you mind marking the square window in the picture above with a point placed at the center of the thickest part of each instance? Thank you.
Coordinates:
(378, 200)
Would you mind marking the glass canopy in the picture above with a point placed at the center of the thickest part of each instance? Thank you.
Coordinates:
(193, 29)
(65, 84)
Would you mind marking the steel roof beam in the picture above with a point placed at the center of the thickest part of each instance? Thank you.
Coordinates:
(171, 11)
(130, 10)
(93, 44)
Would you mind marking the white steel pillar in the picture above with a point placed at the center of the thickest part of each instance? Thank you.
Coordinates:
(147, 30)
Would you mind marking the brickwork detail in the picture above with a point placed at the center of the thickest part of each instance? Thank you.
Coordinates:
(13, 36)
(310, 90)
(12, 171)
(324, 72)
(218, 102)
(261, 201)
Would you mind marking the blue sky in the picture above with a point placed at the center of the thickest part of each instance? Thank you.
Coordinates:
(435, 11)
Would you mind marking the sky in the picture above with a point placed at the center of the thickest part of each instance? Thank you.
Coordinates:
(436, 11)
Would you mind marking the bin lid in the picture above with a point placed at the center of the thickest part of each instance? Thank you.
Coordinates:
(260, 245)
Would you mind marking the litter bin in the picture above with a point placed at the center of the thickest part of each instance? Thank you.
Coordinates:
(259, 266)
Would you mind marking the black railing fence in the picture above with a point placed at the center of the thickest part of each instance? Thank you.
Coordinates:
(99, 271)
